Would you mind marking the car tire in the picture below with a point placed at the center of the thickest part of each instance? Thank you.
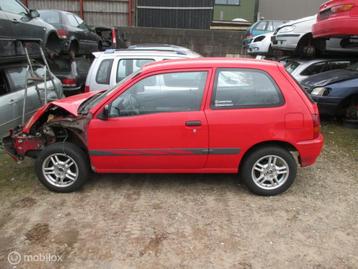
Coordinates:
(269, 170)
(307, 47)
(62, 167)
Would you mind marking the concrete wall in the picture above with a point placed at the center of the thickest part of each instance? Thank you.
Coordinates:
(205, 42)
(288, 9)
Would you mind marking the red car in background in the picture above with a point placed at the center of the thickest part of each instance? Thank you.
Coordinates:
(209, 115)
(337, 18)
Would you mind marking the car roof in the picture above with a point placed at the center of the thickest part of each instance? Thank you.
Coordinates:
(145, 45)
(135, 53)
(208, 63)
(303, 61)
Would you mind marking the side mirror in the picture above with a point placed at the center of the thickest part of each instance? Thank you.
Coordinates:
(105, 113)
(34, 13)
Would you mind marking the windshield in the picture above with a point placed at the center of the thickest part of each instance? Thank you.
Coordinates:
(97, 98)
(291, 66)
(50, 17)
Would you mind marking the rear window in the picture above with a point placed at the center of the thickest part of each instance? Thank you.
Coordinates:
(240, 88)
(129, 66)
(17, 77)
(104, 72)
(50, 17)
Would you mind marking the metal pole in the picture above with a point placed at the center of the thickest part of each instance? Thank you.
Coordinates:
(45, 80)
(25, 95)
(81, 9)
(130, 7)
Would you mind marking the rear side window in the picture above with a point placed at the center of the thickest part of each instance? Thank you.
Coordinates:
(129, 66)
(162, 93)
(245, 88)
(50, 17)
(104, 72)
(17, 77)
(315, 69)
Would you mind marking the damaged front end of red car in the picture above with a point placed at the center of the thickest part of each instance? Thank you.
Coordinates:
(51, 123)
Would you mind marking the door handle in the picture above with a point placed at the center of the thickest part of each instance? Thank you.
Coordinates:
(15, 21)
(12, 101)
(193, 123)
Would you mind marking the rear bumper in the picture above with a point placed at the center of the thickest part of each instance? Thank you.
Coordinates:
(310, 150)
(345, 26)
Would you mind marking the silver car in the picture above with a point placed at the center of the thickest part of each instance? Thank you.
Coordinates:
(302, 69)
(112, 66)
(12, 89)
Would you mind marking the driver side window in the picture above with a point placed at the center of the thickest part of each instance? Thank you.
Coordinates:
(170, 92)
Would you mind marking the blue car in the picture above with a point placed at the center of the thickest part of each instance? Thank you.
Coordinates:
(259, 28)
(335, 91)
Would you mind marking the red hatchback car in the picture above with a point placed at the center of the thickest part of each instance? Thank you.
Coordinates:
(210, 115)
(337, 18)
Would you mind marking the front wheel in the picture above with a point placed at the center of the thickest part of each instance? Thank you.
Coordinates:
(269, 170)
(62, 167)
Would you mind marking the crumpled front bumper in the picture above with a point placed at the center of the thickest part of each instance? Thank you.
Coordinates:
(18, 145)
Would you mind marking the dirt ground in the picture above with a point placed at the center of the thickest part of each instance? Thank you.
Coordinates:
(185, 221)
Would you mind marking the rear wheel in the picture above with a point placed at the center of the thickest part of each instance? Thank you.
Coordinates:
(309, 48)
(269, 170)
(62, 167)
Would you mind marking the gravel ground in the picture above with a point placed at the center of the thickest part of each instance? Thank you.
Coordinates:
(186, 221)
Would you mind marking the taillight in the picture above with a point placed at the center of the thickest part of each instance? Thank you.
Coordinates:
(342, 8)
(316, 125)
(87, 88)
(114, 37)
(69, 82)
(62, 33)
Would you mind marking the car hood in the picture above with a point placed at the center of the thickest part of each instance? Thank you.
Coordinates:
(70, 104)
(329, 77)
(305, 19)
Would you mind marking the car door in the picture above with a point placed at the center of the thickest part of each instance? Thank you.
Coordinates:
(152, 128)
(246, 107)
(16, 77)
(7, 106)
(23, 26)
